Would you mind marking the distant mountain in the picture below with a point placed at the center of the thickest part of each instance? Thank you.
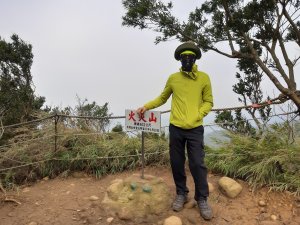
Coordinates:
(215, 138)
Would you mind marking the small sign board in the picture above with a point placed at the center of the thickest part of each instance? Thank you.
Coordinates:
(148, 122)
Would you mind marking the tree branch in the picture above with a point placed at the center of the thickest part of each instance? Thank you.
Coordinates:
(265, 68)
(294, 26)
(291, 82)
(227, 18)
(210, 48)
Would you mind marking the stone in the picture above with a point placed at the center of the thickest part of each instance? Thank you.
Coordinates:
(269, 223)
(262, 203)
(211, 187)
(147, 189)
(173, 220)
(192, 220)
(110, 219)
(125, 214)
(263, 210)
(25, 190)
(230, 187)
(273, 217)
(32, 223)
(190, 204)
(79, 175)
(11, 214)
(133, 186)
(93, 198)
(115, 188)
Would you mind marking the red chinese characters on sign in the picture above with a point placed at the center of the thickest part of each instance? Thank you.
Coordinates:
(131, 116)
(152, 118)
(142, 117)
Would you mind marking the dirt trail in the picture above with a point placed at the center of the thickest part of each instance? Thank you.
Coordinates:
(67, 201)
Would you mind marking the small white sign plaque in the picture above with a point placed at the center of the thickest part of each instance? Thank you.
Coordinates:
(148, 122)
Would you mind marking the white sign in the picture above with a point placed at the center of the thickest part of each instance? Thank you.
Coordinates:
(148, 122)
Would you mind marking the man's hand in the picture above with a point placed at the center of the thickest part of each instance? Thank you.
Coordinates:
(141, 110)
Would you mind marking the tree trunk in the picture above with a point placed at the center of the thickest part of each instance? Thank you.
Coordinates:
(295, 97)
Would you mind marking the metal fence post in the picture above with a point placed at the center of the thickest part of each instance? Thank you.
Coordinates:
(56, 118)
(143, 153)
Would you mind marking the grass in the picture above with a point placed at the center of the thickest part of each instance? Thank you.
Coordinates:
(79, 151)
(270, 160)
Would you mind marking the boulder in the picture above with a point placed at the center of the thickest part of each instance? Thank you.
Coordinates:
(230, 187)
(173, 220)
(135, 197)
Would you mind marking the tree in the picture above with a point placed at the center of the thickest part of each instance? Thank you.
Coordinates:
(17, 100)
(118, 128)
(93, 110)
(98, 121)
(249, 89)
(256, 31)
(235, 124)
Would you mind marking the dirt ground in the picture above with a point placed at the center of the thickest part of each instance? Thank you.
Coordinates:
(64, 201)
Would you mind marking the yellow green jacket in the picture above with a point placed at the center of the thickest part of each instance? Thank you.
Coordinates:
(192, 98)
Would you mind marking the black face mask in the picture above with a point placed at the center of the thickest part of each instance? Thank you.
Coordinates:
(187, 62)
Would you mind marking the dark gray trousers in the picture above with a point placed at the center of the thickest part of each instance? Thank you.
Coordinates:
(192, 139)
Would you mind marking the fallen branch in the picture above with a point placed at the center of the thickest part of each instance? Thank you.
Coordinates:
(2, 189)
(7, 199)
(12, 200)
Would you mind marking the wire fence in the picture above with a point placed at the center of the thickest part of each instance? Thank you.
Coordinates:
(55, 129)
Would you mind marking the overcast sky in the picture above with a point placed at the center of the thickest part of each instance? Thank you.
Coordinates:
(80, 48)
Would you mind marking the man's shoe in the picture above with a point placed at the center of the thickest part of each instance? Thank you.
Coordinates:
(178, 203)
(205, 209)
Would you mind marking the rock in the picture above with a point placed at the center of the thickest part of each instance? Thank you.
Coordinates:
(147, 189)
(135, 197)
(190, 204)
(192, 220)
(93, 198)
(230, 187)
(110, 219)
(115, 188)
(131, 196)
(26, 190)
(46, 178)
(32, 223)
(262, 203)
(211, 187)
(11, 214)
(273, 217)
(264, 216)
(173, 220)
(133, 186)
(125, 214)
(79, 175)
(263, 210)
(269, 223)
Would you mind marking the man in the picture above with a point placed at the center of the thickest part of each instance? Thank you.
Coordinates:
(191, 100)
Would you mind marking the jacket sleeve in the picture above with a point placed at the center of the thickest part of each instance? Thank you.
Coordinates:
(207, 97)
(161, 99)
